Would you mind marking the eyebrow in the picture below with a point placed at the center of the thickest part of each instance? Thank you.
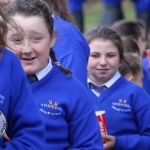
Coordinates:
(14, 34)
(34, 32)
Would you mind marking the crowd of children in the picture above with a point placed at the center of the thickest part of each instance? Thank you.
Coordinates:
(50, 102)
(62, 100)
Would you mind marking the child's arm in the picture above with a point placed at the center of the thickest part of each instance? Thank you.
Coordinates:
(83, 124)
(26, 129)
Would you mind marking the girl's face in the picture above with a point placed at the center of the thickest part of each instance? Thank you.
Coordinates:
(104, 61)
(33, 46)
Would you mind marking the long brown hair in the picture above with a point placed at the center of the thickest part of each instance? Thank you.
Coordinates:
(128, 28)
(106, 33)
(36, 8)
(3, 29)
(60, 8)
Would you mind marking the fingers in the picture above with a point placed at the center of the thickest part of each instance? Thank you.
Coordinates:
(6, 137)
(110, 142)
(107, 137)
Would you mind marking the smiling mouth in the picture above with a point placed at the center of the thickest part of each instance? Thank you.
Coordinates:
(28, 59)
(102, 69)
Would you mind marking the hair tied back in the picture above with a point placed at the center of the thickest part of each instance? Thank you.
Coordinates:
(1, 18)
(57, 63)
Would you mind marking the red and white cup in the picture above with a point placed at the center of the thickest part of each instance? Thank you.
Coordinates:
(102, 123)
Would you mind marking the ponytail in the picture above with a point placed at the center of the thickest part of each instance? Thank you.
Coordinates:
(63, 69)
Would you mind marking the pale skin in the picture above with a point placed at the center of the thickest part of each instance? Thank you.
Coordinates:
(6, 1)
(142, 41)
(103, 62)
(33, 47)
(136, 79)
(110, 141)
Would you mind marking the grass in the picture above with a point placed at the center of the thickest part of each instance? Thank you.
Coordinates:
(93, 9)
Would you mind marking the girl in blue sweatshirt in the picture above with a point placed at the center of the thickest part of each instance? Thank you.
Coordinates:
(19, 116)
(127, 105)
(63, 102)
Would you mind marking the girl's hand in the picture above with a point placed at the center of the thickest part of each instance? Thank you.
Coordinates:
(110, 142)
(6, 137)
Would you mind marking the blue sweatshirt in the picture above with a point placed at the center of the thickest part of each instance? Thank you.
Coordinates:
(146, 75)
(112, 2)
(25, 126)
(127, 109)
(71, 49)
(142, 5)
(75, 5)
(67, 112)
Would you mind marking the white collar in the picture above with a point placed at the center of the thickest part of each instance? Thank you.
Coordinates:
(42, 73)
(107, 84)
(111, 81)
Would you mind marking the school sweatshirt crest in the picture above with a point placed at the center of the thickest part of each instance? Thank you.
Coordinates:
(67, 112)
(127, 109)
(25, 126)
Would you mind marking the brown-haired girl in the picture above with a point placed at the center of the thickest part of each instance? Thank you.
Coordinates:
(127, 105)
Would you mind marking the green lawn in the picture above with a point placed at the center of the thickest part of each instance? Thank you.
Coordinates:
(93, 9)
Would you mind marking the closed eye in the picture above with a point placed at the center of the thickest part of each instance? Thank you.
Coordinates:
(17, 41)
(111, 55)
(35, 39)
(95, 55)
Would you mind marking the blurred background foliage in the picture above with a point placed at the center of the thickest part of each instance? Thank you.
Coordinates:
(93, 9)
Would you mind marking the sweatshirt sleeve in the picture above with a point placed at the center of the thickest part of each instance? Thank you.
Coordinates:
(83, 125)
(25, 126)
(74, 60)
(141, 111)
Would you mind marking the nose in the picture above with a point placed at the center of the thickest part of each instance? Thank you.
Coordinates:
(102, 61)
(26, 47)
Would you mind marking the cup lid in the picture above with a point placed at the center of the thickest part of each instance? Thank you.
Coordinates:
(101, 112)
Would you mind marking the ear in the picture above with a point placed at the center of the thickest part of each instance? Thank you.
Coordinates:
(130, 78)
(120, 64)
(53, 39)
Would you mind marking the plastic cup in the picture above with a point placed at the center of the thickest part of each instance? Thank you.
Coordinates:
(102, 123)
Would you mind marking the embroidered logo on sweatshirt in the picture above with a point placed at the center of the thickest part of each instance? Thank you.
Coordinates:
(121, 105)
(51, 108)
(2, 99)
